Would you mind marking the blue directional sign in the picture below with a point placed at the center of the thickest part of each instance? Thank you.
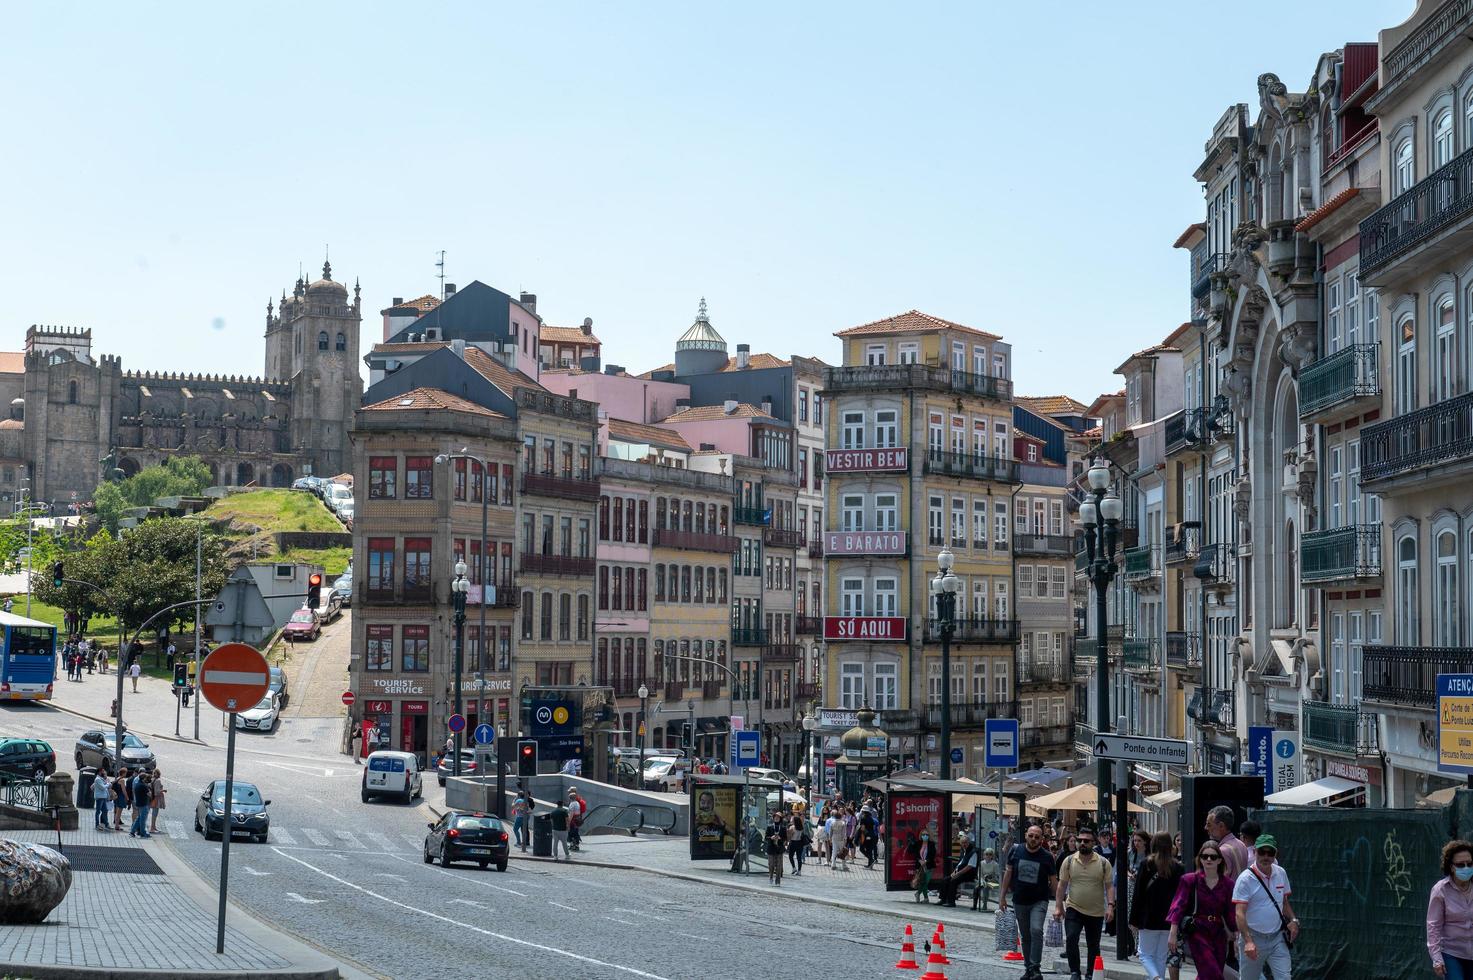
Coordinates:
(746, 749)
(485, 734)
(1000, 737)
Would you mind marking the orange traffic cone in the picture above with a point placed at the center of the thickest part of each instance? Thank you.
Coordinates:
(939, 942)
(1017, 953)
(908, 952)
(934, 962)
(1099, 965)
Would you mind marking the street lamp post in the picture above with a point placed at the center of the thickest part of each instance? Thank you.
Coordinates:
(644, 727)
(457, 594)
(482, 564)
(809, 724)
(944, 587)
(1100, 518)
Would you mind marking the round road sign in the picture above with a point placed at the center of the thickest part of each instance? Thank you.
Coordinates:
(456, 723)
(234, 677)
(349, 697)
(485, 734)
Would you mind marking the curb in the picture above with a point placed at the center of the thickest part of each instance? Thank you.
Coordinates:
(110, 722)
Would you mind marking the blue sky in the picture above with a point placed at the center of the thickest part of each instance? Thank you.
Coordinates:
(805, 167)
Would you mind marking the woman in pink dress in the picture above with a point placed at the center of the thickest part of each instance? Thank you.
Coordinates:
(1206, 897)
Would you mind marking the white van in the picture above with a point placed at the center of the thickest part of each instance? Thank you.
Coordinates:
(395, 773)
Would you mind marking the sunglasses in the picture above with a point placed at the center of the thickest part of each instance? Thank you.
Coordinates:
(1463, 864)
(1209, 857)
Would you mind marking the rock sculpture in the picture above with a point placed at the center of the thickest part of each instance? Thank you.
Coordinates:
(33, 880)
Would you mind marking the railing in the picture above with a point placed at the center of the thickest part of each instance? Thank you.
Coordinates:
(1182, 542)
(417, 590)
(975, 630)
(1183, 650)
(1344, 376)
(629, 469)
(710, 690)
(1086, 649)
(1408, 675)
(1217, 565)
(1084, 734)
(743, 636)
(886, 377)
(610, 818)
(626, 687)
(971, 713)
(781, 537)
(806, 690)
(674, 690)
(1440, 433)
(556, 565)
(759, 516)
(1448, 24)
(24, 794)
(1340, 553)
(815, 548)
(1045, 735)
(809, 625)
(1186, 428)
(1140, 653)
(1036, 669)
(1213, 706)
(506, 597)
(974, 466)
(1338, 727)
(1043, 545)
(1142, 564)
(695, 540)
(780, 653)
(1203, 266)
(565, 487)
(1413, 217)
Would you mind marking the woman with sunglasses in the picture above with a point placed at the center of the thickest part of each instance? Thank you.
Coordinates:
(1205, 896)
(1450, 914)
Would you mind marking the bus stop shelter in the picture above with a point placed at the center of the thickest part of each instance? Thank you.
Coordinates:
(728, 815)
(914, 806)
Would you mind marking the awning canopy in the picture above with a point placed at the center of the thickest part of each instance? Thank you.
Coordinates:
(1080, 797)
(1165, 799)
(1306, 794)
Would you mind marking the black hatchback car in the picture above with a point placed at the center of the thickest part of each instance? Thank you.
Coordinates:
(25, 758)
(478, 837)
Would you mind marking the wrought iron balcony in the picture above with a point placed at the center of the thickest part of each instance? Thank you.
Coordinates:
(1340, 379)
(1045, 669)
(674, 690)
(968, 713)
(1433, 205)
(781, 537)
(1213, 706)
(1436, 436)
(806, 690)
(507, 595)
(556, 565)
(758, 516)
(1338, 727)
(627, 687)
(1186, 429)
(1217, 566)
(809, 625)
(975, 631)
(1043, 545)
(1341, 553)
(1408, 675)
(1142, 653)
(780, 653)
(899, 377)
(1142, 564)
(711, 690)
(815, 548)
(695, 540)
(1204, 264)
(744, 636)
(564, 487)
(1182, 542)
(1183, 650)
(975, 466)
(1046, 735)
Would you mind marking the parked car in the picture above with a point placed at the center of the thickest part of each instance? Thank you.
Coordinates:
(345, 511)
(308, 483)
(667, 775)
(304, 625)
(97, 749)
(446, 766)
(395, 773)
(337, 493)
(25, 758)
(759, 772)
(248, 813)
(343, 587)
(263, 717)
(279, 686)
(478, 837)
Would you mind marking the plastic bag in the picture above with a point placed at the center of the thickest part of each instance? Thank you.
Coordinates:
(1007, 931)
(1053, 933)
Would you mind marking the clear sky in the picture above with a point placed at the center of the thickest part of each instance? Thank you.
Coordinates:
(806, 167)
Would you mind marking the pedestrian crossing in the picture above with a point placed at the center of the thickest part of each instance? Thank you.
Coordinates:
(336, 840)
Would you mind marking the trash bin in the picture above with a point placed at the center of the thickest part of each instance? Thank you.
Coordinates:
(542, 835)
(85, 799)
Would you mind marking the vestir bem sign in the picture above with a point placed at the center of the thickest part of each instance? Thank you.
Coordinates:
(864, 628)
(867, 460)
(864, 542)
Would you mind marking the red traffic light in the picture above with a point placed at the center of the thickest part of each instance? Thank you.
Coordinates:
(527, 750)
(314, 579)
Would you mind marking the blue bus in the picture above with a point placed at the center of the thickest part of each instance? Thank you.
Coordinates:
(27, 658)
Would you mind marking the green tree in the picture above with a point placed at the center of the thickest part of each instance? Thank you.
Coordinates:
(178, 476)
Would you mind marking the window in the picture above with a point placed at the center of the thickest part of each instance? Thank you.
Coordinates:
(1406, 366)
(382, 473)
(342, 342)
(545, 632)
(979, 361)
(958, 356)
(802, 404)
(887, 510)
(803, 469)
(379, 654)
(851, 685)
(565, 617)
(979, 522)
(910, 352)
(416, 567)
(1025, 580)
(527, 611)
(322, 340)
(414, 650)
(1446, 630)
(874, 355)
(851, 432)
(887, 687)
(582, 619)
(935, 435)
(1032, 453)
(1000, 599)
(1332, 315)
(1056, 516)
(887, 429)
(933, 521)
(419, 477)
(853, 512)
(1403, 168)
(979, 682)
(886, 597)
(1445, 366)
(1442, 138)
(1336, 486)
(851, 598)
(1408, 631)
(381, 565)
(1352, 309)
(1000, 525)
(1057, 587)
(958, 522)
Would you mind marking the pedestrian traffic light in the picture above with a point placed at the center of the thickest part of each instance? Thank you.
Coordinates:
(527, 757)
(181, 676)
(58, 575)
(314, 590)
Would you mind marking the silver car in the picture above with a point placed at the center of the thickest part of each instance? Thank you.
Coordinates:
(96, 749)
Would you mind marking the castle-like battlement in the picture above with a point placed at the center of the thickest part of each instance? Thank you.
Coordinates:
(184, 378)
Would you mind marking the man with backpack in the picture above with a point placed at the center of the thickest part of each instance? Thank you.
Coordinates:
(577, 810)
(1086, 901)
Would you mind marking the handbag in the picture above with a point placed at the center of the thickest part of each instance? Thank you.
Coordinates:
(1188, 924)
(1283, 922)
(1006, 926)
(1053, 933)
(915, 879)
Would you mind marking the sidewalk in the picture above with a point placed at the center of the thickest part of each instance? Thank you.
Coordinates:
(142, 884)
(149, 712)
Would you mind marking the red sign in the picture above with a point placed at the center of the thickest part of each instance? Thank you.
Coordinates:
(865, 542)
(234, 677)
(349, 698)
(910, 816)
(1371, 776)
(414, 707)
(867, 460)
(377, 707)
(890, 628)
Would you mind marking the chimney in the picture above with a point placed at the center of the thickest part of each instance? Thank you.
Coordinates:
(458, 345)
(529, 300)
(398, 301)
(767, 405)
(588, 326)
(744, 356)
(449, 289)
(614, 369)
(731, 402)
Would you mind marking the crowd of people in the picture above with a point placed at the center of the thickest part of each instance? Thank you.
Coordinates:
(141, 791)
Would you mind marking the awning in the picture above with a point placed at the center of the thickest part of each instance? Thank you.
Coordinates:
(1165, 799)
(1309, 793)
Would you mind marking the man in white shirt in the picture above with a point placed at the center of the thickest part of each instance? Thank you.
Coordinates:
(1261, 899)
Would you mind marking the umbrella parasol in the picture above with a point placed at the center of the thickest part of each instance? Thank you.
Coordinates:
(1074, 798)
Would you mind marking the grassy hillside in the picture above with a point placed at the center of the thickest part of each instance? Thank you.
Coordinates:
(276, 510)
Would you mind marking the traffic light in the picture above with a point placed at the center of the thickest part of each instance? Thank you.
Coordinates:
(58, 574)
(314, 590)
(527, 757)
(181, 676)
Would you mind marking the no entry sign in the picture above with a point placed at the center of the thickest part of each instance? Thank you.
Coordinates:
(234, 677)
(349, 698)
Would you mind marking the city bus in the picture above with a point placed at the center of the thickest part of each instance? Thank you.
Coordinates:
(27, 658)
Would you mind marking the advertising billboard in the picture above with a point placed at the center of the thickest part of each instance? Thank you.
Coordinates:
(892, 460)
(909, 815)
(714, 822)
(865, 542)
(841, 628)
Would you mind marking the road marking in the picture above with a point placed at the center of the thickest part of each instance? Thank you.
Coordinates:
(462, 877)
(305, 901)
(259, 874)
(385, 874)
(622, 922)
(691, 935)
(350, 839)
(466, 901)
(283, 837)
(638, 912)
(415, 843)
(561, 905)
(316, 837)
(468, 926)
(380, 840)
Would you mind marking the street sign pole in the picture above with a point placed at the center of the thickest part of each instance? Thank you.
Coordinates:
(225, 836)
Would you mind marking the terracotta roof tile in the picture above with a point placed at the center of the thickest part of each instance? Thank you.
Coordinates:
(911, 321)
(421, 305)
(1052, 404)
(428, 398)
(1181, 240)
(12, 424)
(497, 373)
(566, 335)
(710, 413)
(418, 347)
(12, 362)
(1325, 210)
(626, 431)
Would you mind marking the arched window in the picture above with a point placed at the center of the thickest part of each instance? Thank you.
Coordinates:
(1408, 632)
(1442, 138)
(322, 340)
(342, 342)
(1446, 609)
(71, 392)
(1404, 171)
(1406, 365)
(1468, 120)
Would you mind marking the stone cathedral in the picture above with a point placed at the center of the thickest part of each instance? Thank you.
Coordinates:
(72, 415)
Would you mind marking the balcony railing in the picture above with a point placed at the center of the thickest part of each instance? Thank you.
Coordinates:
(1046, 735)
(1447, 26)
(781, 537)
(1035, 669)
(1217, 565)
(507, 595)
(974, 466)
(1338, 727)
(626, 687)
(1043, 545)
(809, 625)
(780, 653)
(975, 631)
(711, 690)
(815, 548)
(556, 565)
(743, 636)
(1437, 435)
(1183, 650)
(674, 690)
(1142, 564)
(1213, 706)
(1204, 264)
(1344, 376)
(1408, 675)
(891, 377)
(565, 487)
(971, 713)
(1341, 553)
(1183, 542)
(695, 540)
(1142, 653)
(758, 516)
(1415, 216)
(1186, 429)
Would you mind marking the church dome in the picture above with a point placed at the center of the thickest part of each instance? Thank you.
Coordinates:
(701, 335)
(326, 283)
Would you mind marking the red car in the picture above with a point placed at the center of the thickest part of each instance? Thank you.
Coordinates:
(304, 625)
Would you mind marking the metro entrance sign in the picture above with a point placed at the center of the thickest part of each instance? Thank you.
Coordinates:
(1128, 748)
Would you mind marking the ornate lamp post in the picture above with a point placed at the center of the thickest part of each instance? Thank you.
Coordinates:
(458, 588)
(944, 587)
(1099, 515)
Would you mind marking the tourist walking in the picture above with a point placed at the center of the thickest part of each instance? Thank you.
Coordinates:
(1085, 901)
(521, 817)
(1235, 854)
(924, 853)
(1450, 914)
(797, 842)
(1201, 915)
(560, 830)
(135, 670)
(1266, 924)
(160, 800)
(1156, 881)
(101, 796)
(1029, 882)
